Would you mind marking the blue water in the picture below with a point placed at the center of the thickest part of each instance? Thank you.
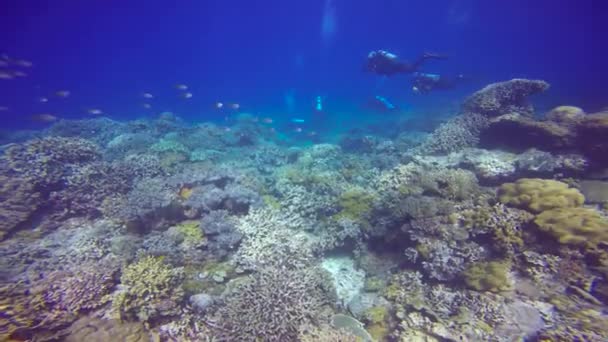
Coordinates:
(259, 54)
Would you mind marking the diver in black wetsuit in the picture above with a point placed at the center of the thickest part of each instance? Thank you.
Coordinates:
(425, 82)
(383, 62)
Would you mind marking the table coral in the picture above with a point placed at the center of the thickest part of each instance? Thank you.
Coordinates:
(505, 97)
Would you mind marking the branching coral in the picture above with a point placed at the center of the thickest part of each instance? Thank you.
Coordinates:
(504, 224)
(29, 172)
(151, 289)
(271, 237)
(456, 134)
(39, 308)
(271, 306)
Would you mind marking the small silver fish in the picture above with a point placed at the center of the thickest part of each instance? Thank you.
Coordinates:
(63, 93)
(6, 75)
(44, 117)
(43, 99)
(187, 95)
(147, 96)
(219, 105)
(95, 111)
(181, 87)
(24, 63)
(235, 106)
(147, 105)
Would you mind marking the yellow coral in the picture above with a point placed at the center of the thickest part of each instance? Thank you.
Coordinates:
(574, 226)
(149, 285)
(488, 276)
(538, 195)
(191, 232)
(185, 192)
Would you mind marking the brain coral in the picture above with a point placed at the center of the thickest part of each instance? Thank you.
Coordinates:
(538, 195)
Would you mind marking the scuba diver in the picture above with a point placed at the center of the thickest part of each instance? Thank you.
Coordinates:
(381, 104)
(383, 62)
(425, 82)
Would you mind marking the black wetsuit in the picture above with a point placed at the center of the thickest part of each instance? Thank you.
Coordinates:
(385, 63)
(425, 83)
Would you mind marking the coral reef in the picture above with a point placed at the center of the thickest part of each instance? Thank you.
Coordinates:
(272, 305)
(156, 229)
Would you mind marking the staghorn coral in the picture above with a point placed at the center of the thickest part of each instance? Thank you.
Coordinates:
(19, 200)
(504, 224)
(167, 145)
(31, 171)
(128, 144)
(93, 329)
(271, 237)
(505, 97)
(44, 161)
(326, 334)
(456, 134)
(98, 130)
(36, 310)
(538, 195)
(271, 305)
(150, 289)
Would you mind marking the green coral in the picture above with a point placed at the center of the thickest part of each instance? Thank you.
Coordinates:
(488, 276)
(150, 289)
(374, 284)
(271, 201)
(355, 204)
(574, 226)
(190, 233)
(538, 195)
(377, 314)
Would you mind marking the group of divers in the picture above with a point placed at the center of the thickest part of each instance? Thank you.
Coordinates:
(384, 63)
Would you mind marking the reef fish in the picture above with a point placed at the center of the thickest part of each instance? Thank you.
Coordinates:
(44, 117)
